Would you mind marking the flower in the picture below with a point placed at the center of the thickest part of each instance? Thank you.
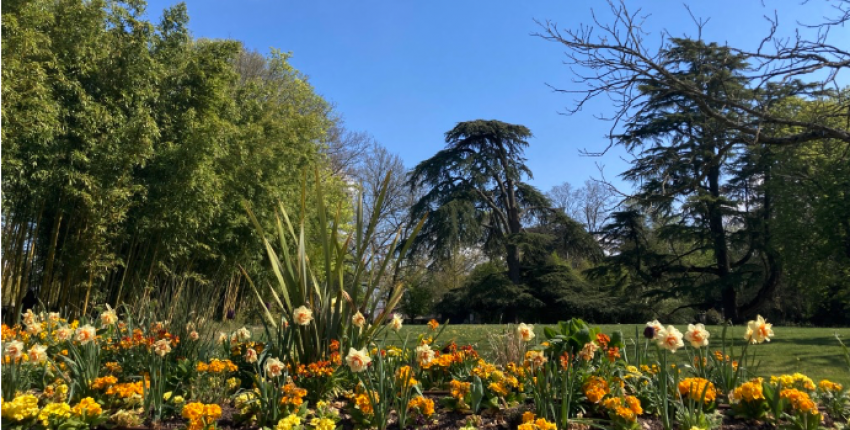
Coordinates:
(424, 354)
(241, 335)
(38, 353)
(587, 351)
(759, 330)
(800, 401)
(302, 315)
(423, 406)
(696, 388)
(323, 424)
(87, 408)
(697, 335)
(28, 317)
(748, 392)
(14, 349)
(652, 329)
(222, 338)
(54, 410)
(289, 423)
(86, 334)
(251, 355)
(670, 339)
(109, 316)
(595, 389)
(433, 325)
(63, 333)
(827, 385)
(358, 361)
(358, 320)
(274, 367)
(395, 323)
(525, 331)
(20, 408)
(34, 328)
(535, 359)
(194, 335)
(162, 347)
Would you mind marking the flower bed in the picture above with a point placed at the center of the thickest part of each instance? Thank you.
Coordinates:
(112, 373)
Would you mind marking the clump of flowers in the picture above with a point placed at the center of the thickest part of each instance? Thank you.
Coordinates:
(530, 423)
(54, 414)
(799, 400)
(796, 380)
(748, 399)
(217, 366)
(697, 389)
(363, 402)
(291, 422)
(292, 395)
(21, 408)
(421, 406)
(623, 412)
(595, 389)
(201, 416)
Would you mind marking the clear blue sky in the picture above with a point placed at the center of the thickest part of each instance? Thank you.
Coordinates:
(407, 71)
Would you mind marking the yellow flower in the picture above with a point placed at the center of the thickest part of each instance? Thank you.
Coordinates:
(54, 411)
(323, 424)
(433, 325)
(525, 332)
(20, 408)
(423, 406)
(88, 408)
(288, 423)
(358, 361)
(693, 388)
(826, 385)
(759, 330)
(595, 389)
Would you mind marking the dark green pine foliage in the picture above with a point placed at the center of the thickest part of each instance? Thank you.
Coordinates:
(683, 164)
(476, 194)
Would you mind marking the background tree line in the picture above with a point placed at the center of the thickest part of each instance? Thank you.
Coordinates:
(129, 148)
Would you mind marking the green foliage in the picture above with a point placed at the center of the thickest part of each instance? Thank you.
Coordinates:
(128, 148)
(342, 283)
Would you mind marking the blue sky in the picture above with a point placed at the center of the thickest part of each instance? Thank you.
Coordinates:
(407, 71)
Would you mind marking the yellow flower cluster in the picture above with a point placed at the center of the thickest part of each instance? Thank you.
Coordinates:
(322, 424)
(627, 408)
(423, 406)
(292, 395)
(695, 388)
(364, 403)
(748, 392)
(289, 423)
(54, 411)
(800, 401)
(126, 390)
(459, 389)
(216, 366)
(21, 408)
(595, 389)
(829, 386)
(201, 416)
(87, 409)
(797, 380)
(103, 382)
(405, 376)
(529, 423)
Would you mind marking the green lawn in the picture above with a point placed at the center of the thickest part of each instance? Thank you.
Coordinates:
(812, 351)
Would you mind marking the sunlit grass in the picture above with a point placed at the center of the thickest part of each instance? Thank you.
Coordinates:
(811, 351)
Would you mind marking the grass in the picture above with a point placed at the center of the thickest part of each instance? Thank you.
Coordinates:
(811, 351)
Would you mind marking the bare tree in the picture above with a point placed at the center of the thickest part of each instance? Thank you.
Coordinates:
(614, 58)
(589, 205)
(346, 149)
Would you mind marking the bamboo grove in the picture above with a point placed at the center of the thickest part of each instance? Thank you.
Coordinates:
(128, 147)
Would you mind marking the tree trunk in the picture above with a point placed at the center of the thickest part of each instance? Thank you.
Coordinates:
(729, 294)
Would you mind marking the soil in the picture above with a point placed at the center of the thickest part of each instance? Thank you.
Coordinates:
(507, 419)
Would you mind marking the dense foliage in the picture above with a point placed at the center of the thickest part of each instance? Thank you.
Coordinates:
(128, 147)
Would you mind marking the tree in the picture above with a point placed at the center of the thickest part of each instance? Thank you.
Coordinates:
(475, 192)
(613, 60)
(589, 205)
